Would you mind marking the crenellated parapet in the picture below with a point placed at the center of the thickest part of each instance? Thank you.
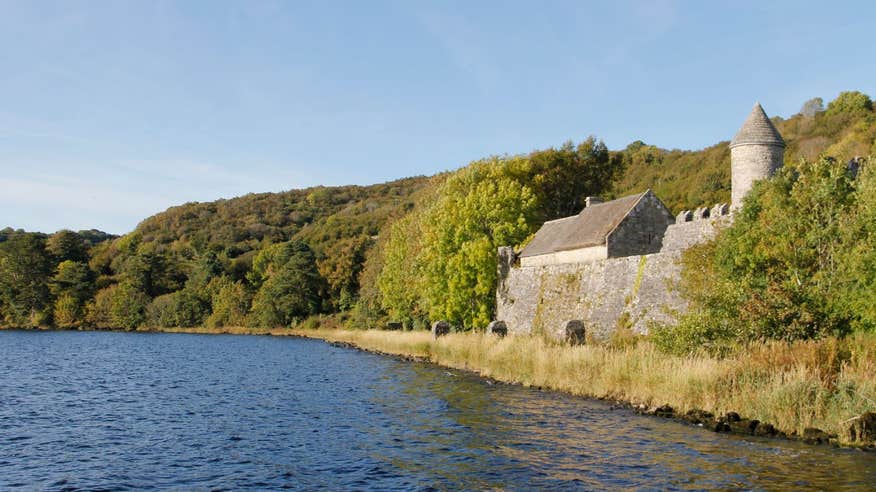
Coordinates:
(703, 213)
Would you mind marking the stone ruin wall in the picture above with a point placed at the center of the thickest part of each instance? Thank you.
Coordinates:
(631, 291)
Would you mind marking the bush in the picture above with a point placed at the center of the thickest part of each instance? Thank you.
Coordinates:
(797, 263)
(118, 306)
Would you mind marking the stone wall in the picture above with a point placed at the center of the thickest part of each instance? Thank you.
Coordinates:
(641, 231)
(632, 291)
(605, 294)
(683, 235)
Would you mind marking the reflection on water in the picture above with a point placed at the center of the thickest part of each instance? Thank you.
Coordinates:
(139, 411)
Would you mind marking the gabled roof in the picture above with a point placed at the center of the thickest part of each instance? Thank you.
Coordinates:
(588, 228)
(758, 130)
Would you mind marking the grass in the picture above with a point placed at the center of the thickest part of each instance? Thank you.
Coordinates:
(794, 386)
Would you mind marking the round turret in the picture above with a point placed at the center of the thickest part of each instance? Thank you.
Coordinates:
(756, 152)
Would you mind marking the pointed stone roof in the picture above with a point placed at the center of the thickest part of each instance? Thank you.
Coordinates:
(588, 228)
(757, 130)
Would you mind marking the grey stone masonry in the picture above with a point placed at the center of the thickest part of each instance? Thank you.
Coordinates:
(641, 231)
(602, 294)
(756, 152)
(683, 235)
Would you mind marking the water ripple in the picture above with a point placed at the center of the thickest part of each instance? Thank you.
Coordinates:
(115, 411)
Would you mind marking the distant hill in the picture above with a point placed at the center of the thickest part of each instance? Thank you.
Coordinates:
(686, 179)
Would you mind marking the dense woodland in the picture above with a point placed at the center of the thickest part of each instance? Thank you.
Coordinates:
(424, 248)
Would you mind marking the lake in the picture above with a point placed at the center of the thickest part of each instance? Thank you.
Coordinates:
(138, 411)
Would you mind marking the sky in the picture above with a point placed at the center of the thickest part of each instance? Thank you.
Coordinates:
(112, 111)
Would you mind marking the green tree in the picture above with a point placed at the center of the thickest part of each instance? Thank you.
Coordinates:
(119, 306)
(857, 257)
(25, 267)
(399, 280)
(71, 286)
(341, 265)
(68, 311)
(66, 245)
(480, 208)
(850, 103)
(561, 178)
(231, 302)
(289, 285)
(781, 270)
(188, 307)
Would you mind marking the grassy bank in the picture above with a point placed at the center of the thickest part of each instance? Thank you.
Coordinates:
(821, 384)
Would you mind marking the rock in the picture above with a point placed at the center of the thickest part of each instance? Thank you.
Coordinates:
(440, 328)
(743, 426)
(717, 426)
(765, 430)
(696, 416)
(862, 429)
(664, 411)
(498, 328)
(394, 325)
(812, 435)
(574, 331)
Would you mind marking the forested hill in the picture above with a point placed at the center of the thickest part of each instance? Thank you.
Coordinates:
(409, 250)
(687, 179)
(323, 217)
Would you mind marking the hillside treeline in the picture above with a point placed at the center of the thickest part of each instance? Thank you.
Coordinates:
(408, 251)
(686, 179)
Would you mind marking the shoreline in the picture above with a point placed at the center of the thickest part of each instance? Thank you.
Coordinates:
(647, 387)
(729, 423)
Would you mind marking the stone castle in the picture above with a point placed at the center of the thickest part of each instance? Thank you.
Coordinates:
(615, 264)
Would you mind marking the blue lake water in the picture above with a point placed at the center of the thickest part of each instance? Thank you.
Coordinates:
(119, 411)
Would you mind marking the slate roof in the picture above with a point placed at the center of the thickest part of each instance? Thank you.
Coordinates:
(588, 228)
(757, 129)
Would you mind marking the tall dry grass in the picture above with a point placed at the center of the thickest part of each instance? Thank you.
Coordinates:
(793, 386)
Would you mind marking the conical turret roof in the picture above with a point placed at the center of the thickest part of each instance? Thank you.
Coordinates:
(757, 130)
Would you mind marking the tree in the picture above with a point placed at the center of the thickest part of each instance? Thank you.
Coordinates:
(25, 268)
(72, 285)
(400, 278)
(341, 265)
(850, 103)
(188, 307)
(788, 266)
(857, 257)
(561, 178)
(480, 208)
(68, 311)
(230, 303)
(812, 107)
(66, 245)
(118, 306)
(289, 285)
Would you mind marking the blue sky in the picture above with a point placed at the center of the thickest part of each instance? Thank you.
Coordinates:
(113, 111)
